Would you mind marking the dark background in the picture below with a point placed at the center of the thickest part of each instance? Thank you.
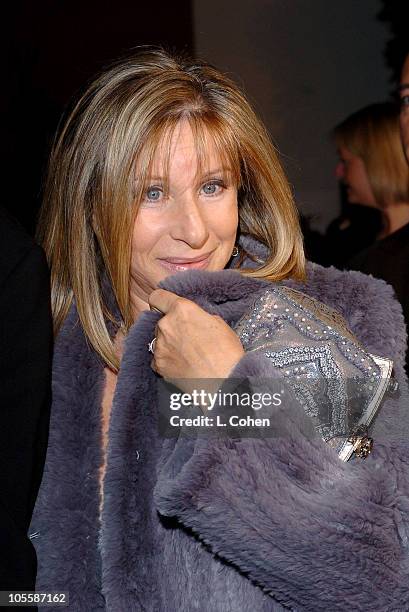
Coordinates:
(305, 64)
(51, 50)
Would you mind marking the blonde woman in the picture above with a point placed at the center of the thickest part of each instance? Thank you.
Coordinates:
(376, 173)
(161, 177)
(372, 163)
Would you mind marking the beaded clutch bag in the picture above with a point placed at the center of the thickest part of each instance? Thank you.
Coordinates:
(339, 384)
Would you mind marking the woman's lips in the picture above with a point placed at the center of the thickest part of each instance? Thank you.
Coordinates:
(178, 264)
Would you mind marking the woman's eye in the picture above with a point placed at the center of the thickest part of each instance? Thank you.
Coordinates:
(153, 194)
(404, 101)
(212, 188)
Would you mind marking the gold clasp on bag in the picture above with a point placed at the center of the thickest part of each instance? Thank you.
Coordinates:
(362, 444)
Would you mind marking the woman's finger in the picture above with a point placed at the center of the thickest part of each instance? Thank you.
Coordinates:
(163, 300)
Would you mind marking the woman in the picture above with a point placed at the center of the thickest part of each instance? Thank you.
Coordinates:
(160, 170)
(372, 163)
(376, 173)
(374, 179)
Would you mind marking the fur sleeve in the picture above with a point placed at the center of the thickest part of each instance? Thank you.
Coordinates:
(316, 533)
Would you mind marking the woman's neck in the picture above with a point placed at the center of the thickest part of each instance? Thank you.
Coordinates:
(139, 303)
(395, 216)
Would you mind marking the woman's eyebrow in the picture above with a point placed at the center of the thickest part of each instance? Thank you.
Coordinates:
(155, 178)
(216, 171)
(149, 179)
(209, 173)
(403, 86)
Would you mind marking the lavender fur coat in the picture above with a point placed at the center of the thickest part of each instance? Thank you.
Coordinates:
(222, 526)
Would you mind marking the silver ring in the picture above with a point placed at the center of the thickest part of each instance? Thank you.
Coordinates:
(151, 345)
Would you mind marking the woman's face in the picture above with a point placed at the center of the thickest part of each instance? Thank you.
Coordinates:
(192, 226)
(352, 172)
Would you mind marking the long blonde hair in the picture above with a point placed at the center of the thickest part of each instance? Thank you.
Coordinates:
(91, 198)
(372, 133)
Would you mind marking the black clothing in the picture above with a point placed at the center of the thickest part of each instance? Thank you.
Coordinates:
(25, 361)
(389, 259)
(354, 230)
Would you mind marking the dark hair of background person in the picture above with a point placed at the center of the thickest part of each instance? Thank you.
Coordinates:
(51, 50)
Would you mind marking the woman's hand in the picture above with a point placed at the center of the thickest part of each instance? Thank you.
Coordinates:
(190, 343)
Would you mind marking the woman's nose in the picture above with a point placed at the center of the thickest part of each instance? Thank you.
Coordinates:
(340, 170)
(190, 224)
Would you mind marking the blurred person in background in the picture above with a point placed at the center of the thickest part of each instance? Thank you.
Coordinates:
(374, 176)
(373, 180)
(375, 172)
(372, 165)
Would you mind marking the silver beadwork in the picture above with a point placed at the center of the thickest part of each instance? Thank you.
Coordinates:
(328, 371)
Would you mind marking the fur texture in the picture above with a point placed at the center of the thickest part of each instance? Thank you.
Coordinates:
(221, 526)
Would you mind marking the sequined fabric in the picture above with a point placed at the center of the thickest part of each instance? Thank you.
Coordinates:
(337, 382)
